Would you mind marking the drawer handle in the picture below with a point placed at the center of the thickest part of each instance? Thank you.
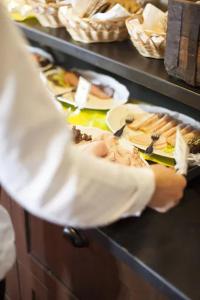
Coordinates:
(76, 237)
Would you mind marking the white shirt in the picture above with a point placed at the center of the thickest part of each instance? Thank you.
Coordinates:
(39, 166)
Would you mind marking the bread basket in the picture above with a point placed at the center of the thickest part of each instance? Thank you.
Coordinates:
(86, 30)
(149, 43)
(47, 13)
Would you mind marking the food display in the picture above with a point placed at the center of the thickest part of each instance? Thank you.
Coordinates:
(19, 10)
(153, 129)
(105, 92)
(95, 21)
(117, 152)
(194, 145)
(92, 21)
(46, 12)
(79, 137)
(56, 83)
(148, 31)
(141, 132)
(100, 91)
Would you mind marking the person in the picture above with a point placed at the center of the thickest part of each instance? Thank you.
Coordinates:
(46, 174)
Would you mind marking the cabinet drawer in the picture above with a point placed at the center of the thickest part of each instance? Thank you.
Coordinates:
(38, 284)
(90, 272)
(12, 284)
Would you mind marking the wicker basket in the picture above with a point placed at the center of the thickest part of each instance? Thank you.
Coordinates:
(47, 13)
(87, 30)
(148, 44)
(182, 56)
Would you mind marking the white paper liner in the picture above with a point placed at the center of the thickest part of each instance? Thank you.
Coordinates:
(41, 52)
(116, 12)
(181, 154)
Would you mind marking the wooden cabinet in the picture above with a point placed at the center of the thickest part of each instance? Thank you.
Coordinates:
(12, 286)
(50, 267)
(38, 284)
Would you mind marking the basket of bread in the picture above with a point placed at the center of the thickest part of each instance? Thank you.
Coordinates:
(91, 21)
(148, 31)
(47, 11)
(19, 10)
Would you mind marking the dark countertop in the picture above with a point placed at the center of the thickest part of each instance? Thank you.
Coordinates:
(164, 248)
(120, 58)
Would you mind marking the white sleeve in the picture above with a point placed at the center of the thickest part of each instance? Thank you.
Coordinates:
(40, 167)
(7, 244)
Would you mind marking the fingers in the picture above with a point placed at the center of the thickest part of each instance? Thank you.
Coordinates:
(97, 148)
(169, 188)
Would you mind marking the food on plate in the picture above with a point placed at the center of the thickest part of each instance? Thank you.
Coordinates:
(80, 137)
(194, 145)
(162, 124)
(117, 153)
(19, 10)
(43, 62)
(145, 140)
(100, 91)
(56, 82)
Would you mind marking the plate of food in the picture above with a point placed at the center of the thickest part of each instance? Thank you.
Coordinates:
(105, 92)
(152, 126)
(44, 59)
(56, 83)
(118, 152)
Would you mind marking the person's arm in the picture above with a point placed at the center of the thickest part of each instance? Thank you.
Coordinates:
(40, 167)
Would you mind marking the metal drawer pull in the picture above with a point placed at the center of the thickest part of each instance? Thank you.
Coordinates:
(77, 238)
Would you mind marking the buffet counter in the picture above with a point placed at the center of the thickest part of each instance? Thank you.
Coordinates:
(164, 247)
(155, 256)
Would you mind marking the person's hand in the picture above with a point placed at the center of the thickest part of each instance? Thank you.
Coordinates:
(169, 188)
(96, 148)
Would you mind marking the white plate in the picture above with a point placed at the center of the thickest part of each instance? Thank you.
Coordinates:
(120, 96)
(41, 52)
(116, 119)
